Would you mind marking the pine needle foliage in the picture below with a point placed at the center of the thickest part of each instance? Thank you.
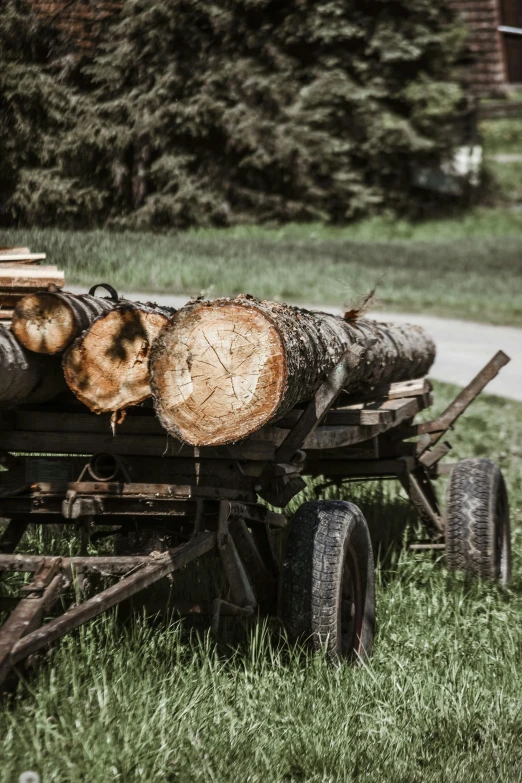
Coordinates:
(204, 113)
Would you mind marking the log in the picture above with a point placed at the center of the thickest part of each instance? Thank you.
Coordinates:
(49, 322)
(107, 367)
(221, 370)
(26, 377)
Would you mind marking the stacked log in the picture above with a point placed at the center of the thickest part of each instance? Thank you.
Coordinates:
(49, 322)
(107, 367)
(220, 370)
(217, 371)
(26, 377)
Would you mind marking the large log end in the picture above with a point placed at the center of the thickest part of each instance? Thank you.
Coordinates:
(218, 372)
(44, 323)
(107, 367)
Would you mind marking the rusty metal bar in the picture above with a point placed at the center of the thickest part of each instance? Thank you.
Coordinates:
(430, 458)
(28, 613)
(157, 568)
(239, 583)
(439, 426)
(318, 406)
(423, 498)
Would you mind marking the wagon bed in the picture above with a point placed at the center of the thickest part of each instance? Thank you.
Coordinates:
(64, 465)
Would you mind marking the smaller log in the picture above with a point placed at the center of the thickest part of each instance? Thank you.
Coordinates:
(48, 322)
(107, 367)
(26, 377)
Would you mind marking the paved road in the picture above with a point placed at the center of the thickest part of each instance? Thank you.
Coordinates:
(463, 347)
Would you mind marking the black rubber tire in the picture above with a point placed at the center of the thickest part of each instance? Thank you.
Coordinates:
(328, 580)
(478, 539)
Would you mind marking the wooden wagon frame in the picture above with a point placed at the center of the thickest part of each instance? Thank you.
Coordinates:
(63, 465)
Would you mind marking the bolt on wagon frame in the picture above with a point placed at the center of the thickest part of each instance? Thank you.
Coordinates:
(208, 499)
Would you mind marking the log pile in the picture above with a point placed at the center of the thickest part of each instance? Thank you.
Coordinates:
(21, 273)
(217, 371)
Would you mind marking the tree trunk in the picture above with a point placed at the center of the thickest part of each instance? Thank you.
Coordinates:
(49, 322)
(221, 370)
(24, 376)
(107, 367)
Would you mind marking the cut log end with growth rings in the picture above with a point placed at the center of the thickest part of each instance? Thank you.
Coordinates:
(107, 367)
(221, 370)
(49, 322)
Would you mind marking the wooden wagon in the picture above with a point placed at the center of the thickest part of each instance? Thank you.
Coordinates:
(62, 465)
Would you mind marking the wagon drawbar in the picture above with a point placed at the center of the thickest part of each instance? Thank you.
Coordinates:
(206, 499)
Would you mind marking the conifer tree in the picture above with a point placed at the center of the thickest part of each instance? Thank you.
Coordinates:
(253, 110)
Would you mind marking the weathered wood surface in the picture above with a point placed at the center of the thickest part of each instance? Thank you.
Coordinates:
(152, 571)
(47, 322)
(107, 367)
(26, 377)
(20, 255)
(221, 370)
(146, 445)
(27, 276)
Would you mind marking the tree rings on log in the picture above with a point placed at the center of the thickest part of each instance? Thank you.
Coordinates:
(48, 322)
(221, 370)
(223, 379)
(107, 367)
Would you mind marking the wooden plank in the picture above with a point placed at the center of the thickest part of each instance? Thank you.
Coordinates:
(342, 416)
(14, 250)
(349, 468)
(29, 277)
(108, 565)
(56, 421)
(120, 489)
(23, 256)
(146, 445)
(390, 391)
(334, 437)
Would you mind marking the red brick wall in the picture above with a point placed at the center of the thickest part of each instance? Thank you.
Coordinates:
(487, 76)
(80, 21)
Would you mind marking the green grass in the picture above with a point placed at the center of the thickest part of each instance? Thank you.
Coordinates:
(468, 267)
(502, 135)
(440, 699)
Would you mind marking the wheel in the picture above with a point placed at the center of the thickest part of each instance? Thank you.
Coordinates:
(328, 579)
(478, 539)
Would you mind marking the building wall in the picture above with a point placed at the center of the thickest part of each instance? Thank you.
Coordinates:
(80, 21)
(487, 75)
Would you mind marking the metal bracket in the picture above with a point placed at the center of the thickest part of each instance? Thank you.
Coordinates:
(74, 507)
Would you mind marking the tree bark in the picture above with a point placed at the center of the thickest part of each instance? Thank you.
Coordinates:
(49, 322)
(26, 377)
(221, 370)
(107, 367)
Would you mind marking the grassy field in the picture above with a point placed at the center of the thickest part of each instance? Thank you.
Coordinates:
(468, 267)
(439, 700)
